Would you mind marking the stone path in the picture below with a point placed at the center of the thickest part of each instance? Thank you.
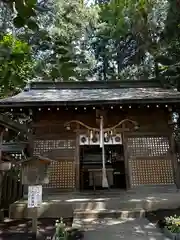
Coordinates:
(130, 229)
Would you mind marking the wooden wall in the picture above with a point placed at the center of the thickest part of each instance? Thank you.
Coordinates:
(149, 119)
(149, 159)
(52, 140)
(145, 154)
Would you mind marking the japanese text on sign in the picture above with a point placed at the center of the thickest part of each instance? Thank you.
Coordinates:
(34, 196)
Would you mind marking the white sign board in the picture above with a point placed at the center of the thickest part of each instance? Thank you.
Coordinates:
(34, 196)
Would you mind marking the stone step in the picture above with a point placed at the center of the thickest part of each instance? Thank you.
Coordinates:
(98, 206)
(114, 214)
(94, 224)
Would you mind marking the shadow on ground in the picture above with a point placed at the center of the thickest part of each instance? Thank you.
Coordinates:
(157, 217)
(21, 229)
(115, 229)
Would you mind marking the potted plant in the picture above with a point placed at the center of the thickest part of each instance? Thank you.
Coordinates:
(172, 227)
(66, 233)
(60, 233)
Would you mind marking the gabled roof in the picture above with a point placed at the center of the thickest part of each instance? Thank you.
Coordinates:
(85, 93)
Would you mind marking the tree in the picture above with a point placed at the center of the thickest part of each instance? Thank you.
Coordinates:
(104, 41)
(23, 12)
(53, 55)
(168, 58)
(128, 35)
(15, 65)
(65, 54)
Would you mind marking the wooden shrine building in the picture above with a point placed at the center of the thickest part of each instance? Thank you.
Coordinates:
(138, 141)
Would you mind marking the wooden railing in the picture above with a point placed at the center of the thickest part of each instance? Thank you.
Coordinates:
(11, 190)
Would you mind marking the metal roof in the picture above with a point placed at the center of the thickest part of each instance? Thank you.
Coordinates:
(44, 94)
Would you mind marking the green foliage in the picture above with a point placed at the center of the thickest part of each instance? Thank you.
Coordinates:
(173, 223)
(168, 57)
(26, 11)
(65, 55)
(60, 233)
(113, 40)
(58, 64)
(15, 64)
(71, 19)
(123, 36)
(171, 30)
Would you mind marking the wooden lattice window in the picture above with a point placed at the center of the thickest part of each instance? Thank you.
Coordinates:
(62, 175)
(41, 146)
(148, 146)
(151, 171)
(62, 171)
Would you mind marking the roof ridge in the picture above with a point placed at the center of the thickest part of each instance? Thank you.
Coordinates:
(149, 83)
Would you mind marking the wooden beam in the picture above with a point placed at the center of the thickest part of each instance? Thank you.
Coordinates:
(77, 160)
(119, 130)
(10, 124)
(164, 133)
(13, 147)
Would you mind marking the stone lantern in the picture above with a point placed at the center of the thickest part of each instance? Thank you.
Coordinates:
(35, 170)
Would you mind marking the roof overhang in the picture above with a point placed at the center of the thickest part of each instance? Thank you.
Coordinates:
(83, 94)
(89, 103)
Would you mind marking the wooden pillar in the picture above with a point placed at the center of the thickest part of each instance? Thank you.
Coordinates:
(1, 142)
(173, 149)
(30, 152)
(175, 164)
(127, 172)
(1, 174)
(77, 161)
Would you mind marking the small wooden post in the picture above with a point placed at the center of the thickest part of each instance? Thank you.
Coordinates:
(34, 175)
(34, 221)
(34, 201)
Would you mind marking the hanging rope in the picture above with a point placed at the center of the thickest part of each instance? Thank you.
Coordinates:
(105, 129)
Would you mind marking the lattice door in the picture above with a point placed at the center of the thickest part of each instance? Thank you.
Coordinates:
(149, 162)
(42, 146)
(62, 175)
(62, 171)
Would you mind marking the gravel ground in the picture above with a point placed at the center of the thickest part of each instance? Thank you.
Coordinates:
(129, 229)
(21, 229)
(140, 229)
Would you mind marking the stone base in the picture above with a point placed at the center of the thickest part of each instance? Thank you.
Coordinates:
(99, 205)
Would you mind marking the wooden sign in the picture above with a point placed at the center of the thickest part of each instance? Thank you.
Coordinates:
(34, 196)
